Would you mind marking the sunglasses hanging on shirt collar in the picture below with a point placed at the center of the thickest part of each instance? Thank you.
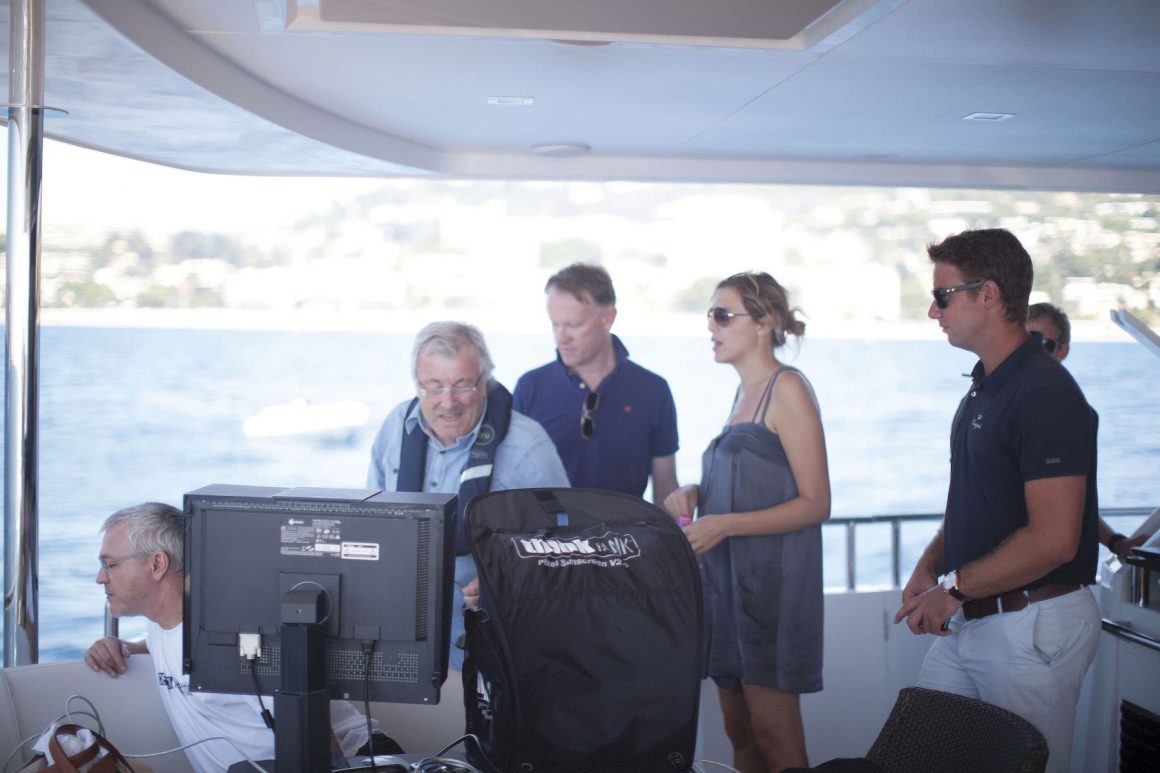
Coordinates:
(587, 417)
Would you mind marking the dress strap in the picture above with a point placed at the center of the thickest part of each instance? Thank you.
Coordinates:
(763, 403)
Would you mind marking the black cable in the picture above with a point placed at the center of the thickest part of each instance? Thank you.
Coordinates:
(267, 717)
(369, 649)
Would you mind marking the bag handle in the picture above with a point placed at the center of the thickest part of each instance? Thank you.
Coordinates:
(63, 763)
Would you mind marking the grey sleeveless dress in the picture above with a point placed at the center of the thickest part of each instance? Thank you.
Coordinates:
(763, 594)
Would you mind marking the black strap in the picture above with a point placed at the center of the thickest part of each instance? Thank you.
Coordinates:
(476, 475)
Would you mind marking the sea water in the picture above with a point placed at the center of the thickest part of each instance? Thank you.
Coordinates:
(135, 414)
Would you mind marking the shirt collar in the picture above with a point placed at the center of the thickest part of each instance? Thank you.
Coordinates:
(617, 347)
(1007, 367)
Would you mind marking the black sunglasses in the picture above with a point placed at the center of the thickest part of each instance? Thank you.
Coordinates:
(940, 293)
(723, 316)
(1049, 344)
(587, 420)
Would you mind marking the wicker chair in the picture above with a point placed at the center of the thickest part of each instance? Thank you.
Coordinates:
(936, 732)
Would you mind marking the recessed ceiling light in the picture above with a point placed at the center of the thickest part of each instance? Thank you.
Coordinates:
(988, 117)
(562, 149)
(516, 101)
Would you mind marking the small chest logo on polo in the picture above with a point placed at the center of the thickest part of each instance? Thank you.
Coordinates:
(977, 422)
(608, 550)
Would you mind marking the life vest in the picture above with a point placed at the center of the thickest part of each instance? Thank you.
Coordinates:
(476, 476)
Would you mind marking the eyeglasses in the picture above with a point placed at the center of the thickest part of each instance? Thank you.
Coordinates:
(459, 390)
(1049, 344)
(940, 293)
(587, 420)
(110, 563)
(723, 316)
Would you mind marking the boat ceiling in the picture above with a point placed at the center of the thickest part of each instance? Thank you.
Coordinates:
(1037, 94)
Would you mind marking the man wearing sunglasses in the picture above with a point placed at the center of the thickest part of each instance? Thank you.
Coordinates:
(460, 435)
(1016, 625)
(1052, 324)
(613, 422)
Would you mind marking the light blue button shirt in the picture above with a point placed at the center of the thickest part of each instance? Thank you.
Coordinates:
(526, 458)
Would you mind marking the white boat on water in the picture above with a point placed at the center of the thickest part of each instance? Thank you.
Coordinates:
(334, 421)
(1019, 94)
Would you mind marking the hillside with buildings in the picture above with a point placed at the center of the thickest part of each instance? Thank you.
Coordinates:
(849, 255)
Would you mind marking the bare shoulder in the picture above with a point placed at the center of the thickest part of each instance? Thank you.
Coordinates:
(792, 401)
(793, 385)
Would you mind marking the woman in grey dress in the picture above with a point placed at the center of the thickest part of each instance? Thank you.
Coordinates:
(764, 492)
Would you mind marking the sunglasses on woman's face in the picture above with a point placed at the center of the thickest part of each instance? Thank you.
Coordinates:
(723, 316)
(1050, 344)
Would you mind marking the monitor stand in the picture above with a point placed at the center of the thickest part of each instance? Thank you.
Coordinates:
(302, 707)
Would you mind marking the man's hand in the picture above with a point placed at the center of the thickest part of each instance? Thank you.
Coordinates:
(471, 594)
(1123, 547)
(928, 612)
(704, 534)
(110, 655)
(920, 582)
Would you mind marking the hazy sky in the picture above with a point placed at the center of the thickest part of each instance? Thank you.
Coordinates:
(86, 187)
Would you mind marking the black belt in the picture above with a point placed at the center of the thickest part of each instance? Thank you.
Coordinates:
(1014, 600)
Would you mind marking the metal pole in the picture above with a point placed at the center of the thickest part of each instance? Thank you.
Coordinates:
(25, 145)
(851, 560)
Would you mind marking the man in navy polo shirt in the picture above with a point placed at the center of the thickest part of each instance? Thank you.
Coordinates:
(1016, 625)
(613, 422)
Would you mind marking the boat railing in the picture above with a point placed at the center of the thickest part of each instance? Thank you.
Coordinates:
(896, 522)
(851, 525)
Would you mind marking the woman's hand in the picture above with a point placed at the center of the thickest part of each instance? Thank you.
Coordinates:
(682, 502)
(704, 534)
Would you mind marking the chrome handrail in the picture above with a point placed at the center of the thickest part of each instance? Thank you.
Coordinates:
(851, 524)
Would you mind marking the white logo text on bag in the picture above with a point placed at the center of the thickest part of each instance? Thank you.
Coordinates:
(608, 550)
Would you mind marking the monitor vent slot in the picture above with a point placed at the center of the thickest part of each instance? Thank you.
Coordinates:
(342, 665)
(1139, 738)
(422, 583)
(202, 552)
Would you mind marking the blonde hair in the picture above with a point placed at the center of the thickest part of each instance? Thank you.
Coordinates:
(765, 299)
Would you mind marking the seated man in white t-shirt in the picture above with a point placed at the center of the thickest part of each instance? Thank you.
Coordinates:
(141, 556)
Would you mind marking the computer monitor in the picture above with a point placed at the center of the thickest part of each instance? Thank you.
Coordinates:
(384, 563)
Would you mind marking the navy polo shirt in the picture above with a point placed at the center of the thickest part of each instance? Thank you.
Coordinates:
(1027, 420)
(635, 421)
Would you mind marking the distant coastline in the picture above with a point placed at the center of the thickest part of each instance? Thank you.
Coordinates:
(490, 321)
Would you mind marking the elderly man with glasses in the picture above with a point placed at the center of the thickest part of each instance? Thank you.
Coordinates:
(613, 422)
(141, 572)
(460, 435)
(1015, 622)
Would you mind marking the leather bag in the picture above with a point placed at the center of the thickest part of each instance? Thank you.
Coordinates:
(87, 760)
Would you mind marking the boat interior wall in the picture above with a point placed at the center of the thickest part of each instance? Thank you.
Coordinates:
(1040, 94)
(34, 696)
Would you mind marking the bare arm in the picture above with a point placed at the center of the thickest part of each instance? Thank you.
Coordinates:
(1050, 539)
(794, 415)
(664, 477)
(111, 654)
(927, 570)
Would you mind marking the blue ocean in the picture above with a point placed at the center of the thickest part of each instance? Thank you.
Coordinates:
(135, 414)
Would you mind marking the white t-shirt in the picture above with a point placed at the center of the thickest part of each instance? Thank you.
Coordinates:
(195, 716)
